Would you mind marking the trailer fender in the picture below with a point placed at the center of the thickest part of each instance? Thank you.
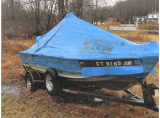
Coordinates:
(36, 77)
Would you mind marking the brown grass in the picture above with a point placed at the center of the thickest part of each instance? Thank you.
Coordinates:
(40, 104)
(21, 107)
(150, 25)
(11, 62)
(138, 38)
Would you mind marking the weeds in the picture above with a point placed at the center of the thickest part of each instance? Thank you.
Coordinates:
(137, 38)
(20, 107)
(150, 26)
(11, 62)
(25, 107)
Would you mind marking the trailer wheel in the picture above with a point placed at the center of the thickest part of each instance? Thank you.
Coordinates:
(29, 82)
(30, 77)
(52, 83)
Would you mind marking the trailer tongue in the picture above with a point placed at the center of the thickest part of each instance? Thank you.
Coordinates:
(130, 98)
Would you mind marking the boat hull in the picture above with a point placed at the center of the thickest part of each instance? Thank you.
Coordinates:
(72, 68)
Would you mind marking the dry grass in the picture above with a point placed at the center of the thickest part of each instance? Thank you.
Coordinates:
(150, 25)
(21, 107)
(140, 36)
(137, 38)
(40, 104)
(11, 62)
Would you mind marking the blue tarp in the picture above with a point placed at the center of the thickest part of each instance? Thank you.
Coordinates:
(74, 38)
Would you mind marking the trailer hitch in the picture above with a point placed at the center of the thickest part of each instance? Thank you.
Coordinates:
(153, 89)
(148, 91)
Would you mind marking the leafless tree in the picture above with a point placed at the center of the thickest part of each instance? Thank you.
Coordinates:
(49, 14)
(36, 17)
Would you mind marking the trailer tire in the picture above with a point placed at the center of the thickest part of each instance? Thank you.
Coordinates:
(52, 83)
(29, 82)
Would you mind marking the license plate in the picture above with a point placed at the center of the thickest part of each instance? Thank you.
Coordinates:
(109, 63)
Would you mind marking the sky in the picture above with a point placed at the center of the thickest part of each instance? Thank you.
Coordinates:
(112, 2)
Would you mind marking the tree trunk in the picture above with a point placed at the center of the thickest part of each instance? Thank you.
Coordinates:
(38, 27)
(60, 9)
(12, 9)
(79, 8)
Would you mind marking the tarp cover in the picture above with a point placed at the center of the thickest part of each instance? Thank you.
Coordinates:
(74, 38)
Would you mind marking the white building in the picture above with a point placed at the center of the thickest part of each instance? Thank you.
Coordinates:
(153, 17)
(139, 19)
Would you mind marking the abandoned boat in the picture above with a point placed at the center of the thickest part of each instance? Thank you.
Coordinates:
(81, 52)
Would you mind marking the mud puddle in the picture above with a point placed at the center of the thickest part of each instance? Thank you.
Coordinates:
(8, 89)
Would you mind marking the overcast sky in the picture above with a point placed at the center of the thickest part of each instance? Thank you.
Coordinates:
(112, 2)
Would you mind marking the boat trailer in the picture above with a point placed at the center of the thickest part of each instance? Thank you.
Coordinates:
(148, 91)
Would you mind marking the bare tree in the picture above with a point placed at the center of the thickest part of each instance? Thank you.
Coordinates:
(12, 8)
(79, 8)
(61, 9)
(36, 17)
(50, 14)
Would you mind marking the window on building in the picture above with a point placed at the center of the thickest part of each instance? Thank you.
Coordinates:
(157, 16)
(152, 16)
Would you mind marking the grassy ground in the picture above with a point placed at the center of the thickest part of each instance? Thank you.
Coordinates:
(22, 107)
(40, 104)
(139, 36)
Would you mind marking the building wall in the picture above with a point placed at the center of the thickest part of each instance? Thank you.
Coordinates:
(125, 28)
(128, 25)
(156, 16)
(153, 16)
